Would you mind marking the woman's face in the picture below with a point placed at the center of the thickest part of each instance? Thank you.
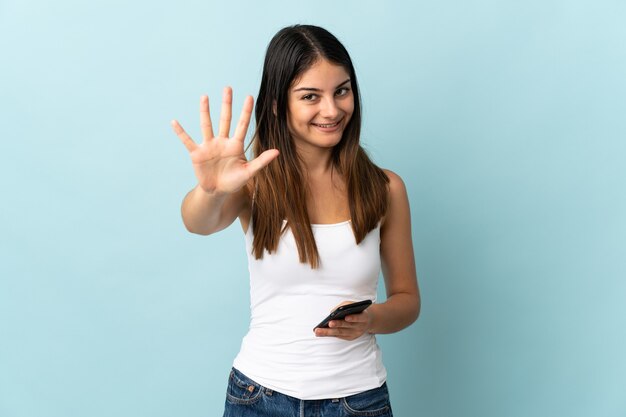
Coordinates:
(320, 106)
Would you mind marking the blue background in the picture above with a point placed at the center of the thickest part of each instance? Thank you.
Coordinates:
(505, 119)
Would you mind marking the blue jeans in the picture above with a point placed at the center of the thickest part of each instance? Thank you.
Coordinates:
(246, 398)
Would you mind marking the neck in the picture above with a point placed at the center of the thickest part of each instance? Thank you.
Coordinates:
(316, 162)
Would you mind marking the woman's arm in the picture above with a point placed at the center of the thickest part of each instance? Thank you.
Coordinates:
(205, 213)
(398, 263)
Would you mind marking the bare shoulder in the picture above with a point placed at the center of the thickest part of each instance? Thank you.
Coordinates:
(397, 189)
(398, 198)
(396, 184)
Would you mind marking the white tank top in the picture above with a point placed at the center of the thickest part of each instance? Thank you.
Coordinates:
(288, 299)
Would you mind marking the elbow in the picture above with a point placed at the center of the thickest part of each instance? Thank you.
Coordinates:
(195, 230)
(416, 309)
(199, 232)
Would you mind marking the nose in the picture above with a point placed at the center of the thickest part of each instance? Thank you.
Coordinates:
(329, 109)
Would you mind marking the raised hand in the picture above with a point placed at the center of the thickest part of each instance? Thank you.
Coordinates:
(219, 161)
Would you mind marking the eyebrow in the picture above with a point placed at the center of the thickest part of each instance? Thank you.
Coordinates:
(317, 89)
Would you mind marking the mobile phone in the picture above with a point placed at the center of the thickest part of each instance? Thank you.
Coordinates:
(343, 311)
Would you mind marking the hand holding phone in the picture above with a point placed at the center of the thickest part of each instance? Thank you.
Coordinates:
(345, 310)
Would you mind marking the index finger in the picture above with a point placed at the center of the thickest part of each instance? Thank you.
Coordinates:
(356, 318)
(244, 119)
(183, 136)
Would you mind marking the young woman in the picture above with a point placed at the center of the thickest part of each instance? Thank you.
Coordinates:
(320, 222)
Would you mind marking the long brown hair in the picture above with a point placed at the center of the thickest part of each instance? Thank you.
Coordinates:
(279, 189)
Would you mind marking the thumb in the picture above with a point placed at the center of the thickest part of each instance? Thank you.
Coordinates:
(343, 303)
(262, 161)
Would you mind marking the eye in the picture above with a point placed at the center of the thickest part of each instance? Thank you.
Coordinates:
(342, 91)
(309, 97)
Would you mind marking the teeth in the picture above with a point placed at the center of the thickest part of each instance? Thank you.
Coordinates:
(330, 125)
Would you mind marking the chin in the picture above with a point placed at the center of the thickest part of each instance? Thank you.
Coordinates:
(329, 141)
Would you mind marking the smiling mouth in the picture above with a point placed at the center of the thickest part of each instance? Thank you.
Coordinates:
(326, 125)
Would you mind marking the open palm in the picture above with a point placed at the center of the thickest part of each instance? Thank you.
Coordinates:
(219, 162)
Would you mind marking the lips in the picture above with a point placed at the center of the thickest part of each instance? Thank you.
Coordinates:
(326, 125)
